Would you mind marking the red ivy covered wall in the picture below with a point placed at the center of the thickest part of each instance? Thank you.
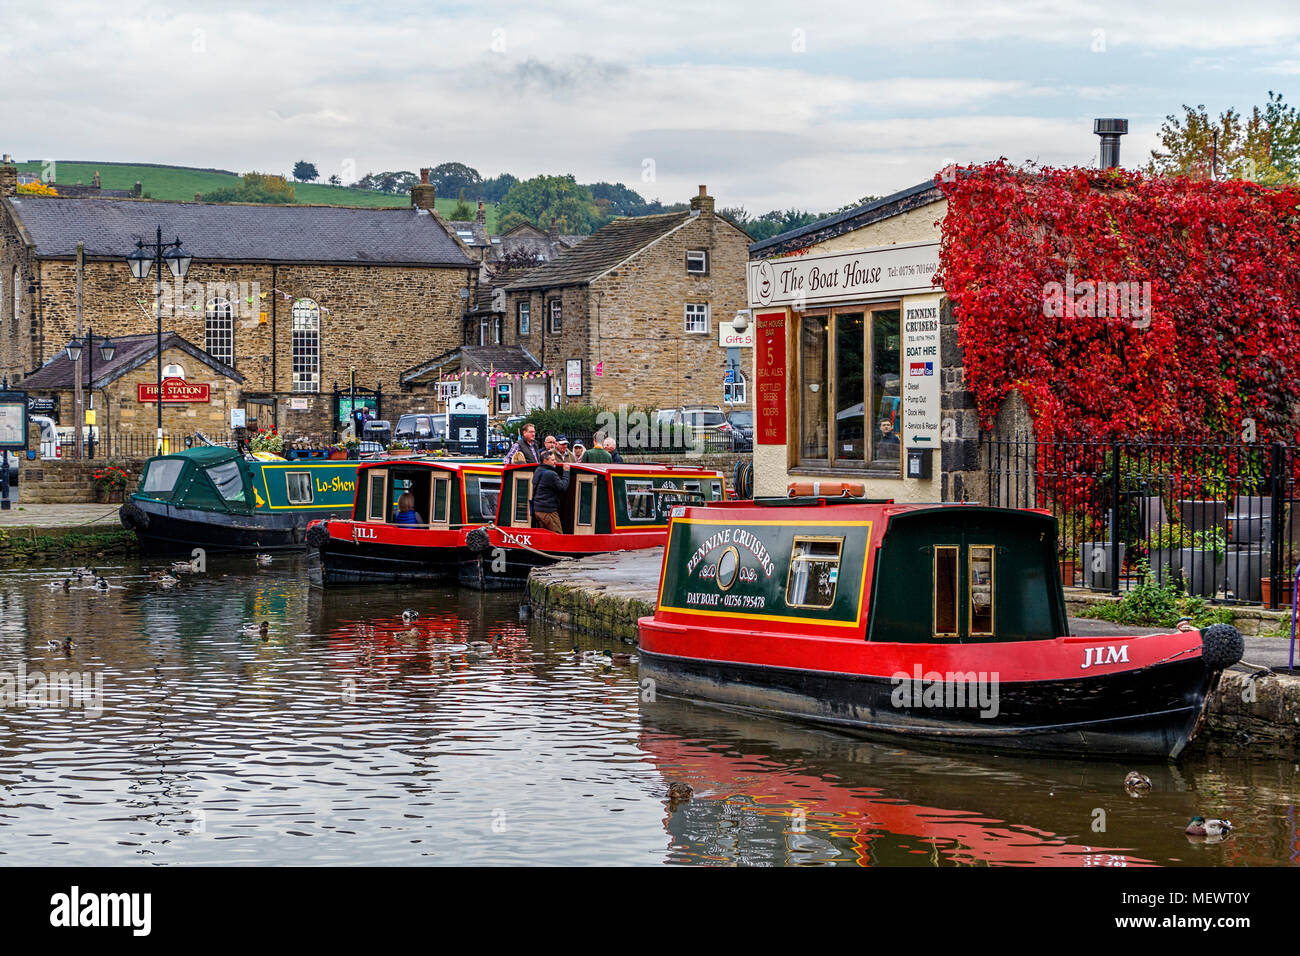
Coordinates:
(1221, 341)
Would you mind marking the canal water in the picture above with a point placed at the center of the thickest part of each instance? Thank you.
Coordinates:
(470, 736)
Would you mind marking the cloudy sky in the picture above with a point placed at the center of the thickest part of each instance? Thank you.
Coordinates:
(809, 105)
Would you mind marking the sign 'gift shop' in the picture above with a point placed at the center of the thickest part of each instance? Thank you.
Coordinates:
(174, 391)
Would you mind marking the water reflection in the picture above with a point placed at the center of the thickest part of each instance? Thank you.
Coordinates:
(352, 736)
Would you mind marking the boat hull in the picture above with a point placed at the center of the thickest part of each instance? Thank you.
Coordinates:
(1148, 711)
(343, 562)
(168, 528)
(500, 559)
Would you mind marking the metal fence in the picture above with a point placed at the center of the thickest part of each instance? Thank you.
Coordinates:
(144, 444)
(1217, 519)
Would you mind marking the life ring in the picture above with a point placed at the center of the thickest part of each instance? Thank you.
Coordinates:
(317, 535)
(1221, 646)
(826, 489)
(133, 517)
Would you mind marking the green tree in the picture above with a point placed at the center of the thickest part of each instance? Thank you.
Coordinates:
(255, 187)
(304, 171)
(334, 180)
(462, 211)
(543, 198)
(449, 178)
(1263, 146)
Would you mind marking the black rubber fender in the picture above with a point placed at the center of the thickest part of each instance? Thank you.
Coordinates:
(478, 541)
(317, 535)
(133, 516)
(1221, 646)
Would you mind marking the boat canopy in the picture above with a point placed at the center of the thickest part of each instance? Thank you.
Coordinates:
(211, 478)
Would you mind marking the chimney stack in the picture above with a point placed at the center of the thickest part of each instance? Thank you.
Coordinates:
(423, 193)
(96, 179)
(703, 203)
(198, 197)
(138, 190)
(1110, 130)
(8, 179)
(555, 232)
(481, 216)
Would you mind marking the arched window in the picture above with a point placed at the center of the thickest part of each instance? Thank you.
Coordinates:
(306, 346)
(219, 334)
(734, 393)
(174, 371)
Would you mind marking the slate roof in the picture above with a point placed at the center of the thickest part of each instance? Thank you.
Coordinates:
(601, 251)
(477, 231)
(922, 194)
(506, 359)
(132, 352)
(233, 232)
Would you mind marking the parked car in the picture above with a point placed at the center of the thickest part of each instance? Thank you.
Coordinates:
(370, 449)
(706, 422)
(742, 428)
(513, 424)
(423, 431)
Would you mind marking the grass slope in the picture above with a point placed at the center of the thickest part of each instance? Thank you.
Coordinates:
(182, 182)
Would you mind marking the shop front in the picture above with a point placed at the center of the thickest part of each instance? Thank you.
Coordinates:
(848, 370)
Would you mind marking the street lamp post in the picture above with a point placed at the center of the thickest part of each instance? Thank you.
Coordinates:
(141, 261)
(106, 352)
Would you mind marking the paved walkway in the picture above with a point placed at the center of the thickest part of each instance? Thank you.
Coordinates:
(59, 516)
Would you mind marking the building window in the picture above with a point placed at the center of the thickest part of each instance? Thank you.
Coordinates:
(219, 334)
(697, 262)
(503, 398)
(174, 371)
(448, 390)
(849, 366)
(733, 392)
(306, 346)
(496, 330)
(18, 296)
(697, 317)
(523, 312)
(483, 330)
(556, 318)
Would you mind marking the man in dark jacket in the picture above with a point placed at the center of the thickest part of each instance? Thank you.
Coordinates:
(549, 486)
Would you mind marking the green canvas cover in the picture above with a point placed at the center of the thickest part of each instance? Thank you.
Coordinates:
(195, 488)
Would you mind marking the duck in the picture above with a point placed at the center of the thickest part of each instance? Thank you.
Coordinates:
(619, 657)
(66, 644)
(167, 581)
(480, 646)
(263, 560)
(408, 615)
(1199, 826)
(1136, 781)
(256, 630)
(412, 635)
(84, 572)
(679, 792)
(101, 584)
(185, 567)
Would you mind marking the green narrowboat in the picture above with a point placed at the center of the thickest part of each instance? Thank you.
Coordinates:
(220, 500)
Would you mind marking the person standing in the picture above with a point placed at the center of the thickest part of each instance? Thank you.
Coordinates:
(525, 446)
(596, 454)
(611, 448)
(549, 486)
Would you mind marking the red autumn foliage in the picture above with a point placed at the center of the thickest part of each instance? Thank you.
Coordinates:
(1222, 343)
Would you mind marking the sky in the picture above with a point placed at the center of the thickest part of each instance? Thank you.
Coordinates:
(771, 105)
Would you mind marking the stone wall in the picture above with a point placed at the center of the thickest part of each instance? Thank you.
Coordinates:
(65, 481)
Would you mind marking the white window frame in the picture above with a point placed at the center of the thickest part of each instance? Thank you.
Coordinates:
(448, 390)
(219, 331)
(737, 393)
(523, 316)
(306, 346)
(697, 311)
(555, 317)
(700, 256)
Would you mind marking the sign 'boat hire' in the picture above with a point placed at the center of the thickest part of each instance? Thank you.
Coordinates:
(942, 623)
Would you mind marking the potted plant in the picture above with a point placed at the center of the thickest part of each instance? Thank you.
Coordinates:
(110, 484)
(1203, 564)
(1287, 582)
(400, 449)
(267, 440)
(1166, 550)
(336, 452)
(353, 448)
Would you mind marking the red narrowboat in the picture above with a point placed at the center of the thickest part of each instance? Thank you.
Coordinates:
(448, 497)
(607, 507)
(942, 623)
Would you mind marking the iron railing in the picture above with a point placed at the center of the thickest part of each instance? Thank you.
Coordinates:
(1216, 518)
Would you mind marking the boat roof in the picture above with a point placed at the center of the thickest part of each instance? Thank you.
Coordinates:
(446, 464)
(644, 468)
(792, 509)
(204, 454)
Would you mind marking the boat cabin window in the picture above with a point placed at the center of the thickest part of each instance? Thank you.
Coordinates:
(814, 571)
(728, 568)
(640, 501)
(298, 487)
(945, 592)
(161, 476)
(981, 589)
(489, 495)
(523, 485)
(441, 500)
(376, 500)
(228, 480)
(585, 520)
(716, 488)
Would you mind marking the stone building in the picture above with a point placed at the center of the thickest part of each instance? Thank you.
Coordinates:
(858, 372)
(293, 297)
(635, 314)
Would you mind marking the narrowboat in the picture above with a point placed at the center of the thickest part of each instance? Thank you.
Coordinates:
(452, 495)
(941, 623)
(222, 500)
(608, 507)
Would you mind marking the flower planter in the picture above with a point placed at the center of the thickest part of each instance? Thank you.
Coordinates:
(1166, 563)
(338, 456)
(1204, 572)
(1068, 568)
(402, 453)
(1098, 576)
(1245, 567)
(1266, 592)
(106, 496)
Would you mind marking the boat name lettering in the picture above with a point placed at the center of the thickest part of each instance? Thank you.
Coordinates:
(337, 484)
(1112, 655)
(363, 532)
(520, 539)
(739, 536)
